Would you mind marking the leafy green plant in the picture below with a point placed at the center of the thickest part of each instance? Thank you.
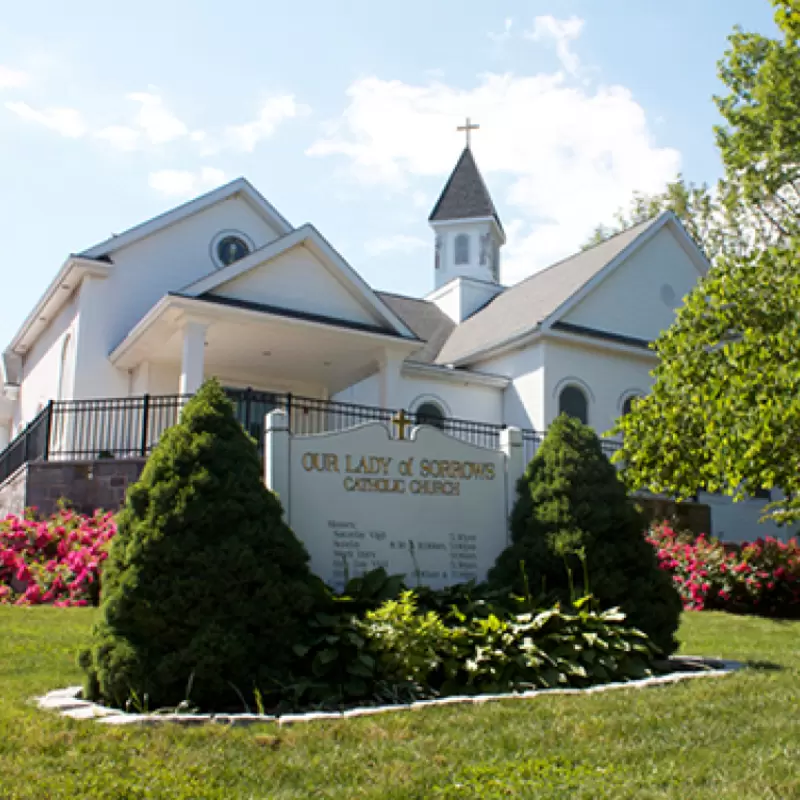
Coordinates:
(502, 651)
(333, 665)
(410, 644)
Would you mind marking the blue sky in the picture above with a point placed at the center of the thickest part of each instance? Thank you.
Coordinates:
(344, 114)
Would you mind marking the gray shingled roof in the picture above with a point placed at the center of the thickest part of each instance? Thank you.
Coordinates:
(426, 321)
(465, 195)
(521, 308)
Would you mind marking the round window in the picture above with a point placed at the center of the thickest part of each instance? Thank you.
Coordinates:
(230, 249)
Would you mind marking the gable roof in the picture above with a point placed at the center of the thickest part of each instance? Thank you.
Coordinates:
(239, 186)
(521, 309)
(308, 236)
(425, 319)
(465, 195)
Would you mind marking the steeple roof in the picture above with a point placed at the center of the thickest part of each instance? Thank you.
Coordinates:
(465, 195)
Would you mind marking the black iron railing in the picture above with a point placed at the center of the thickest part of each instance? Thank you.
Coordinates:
(129, 427)
(30, 445)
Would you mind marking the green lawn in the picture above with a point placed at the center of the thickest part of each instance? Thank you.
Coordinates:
(734, 737)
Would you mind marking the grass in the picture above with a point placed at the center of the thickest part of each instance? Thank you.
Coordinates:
(731, 738)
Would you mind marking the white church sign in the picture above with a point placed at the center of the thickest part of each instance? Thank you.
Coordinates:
(429, 506)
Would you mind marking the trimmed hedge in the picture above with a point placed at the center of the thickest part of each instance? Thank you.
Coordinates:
(206, 589)
(573, 514)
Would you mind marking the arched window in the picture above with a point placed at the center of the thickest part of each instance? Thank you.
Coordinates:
(572, 402)
(462, 248)
(628, 404)
(64, 372)
(430, 414)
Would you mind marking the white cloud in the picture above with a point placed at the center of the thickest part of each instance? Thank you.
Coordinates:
(65, 121)
(273, 112)
(398, 243)
(12, 78)
(558, 158)
(420, 199)
(120, 136)
(504, 35)
(562, 32)
(158, 124)
(185, 183)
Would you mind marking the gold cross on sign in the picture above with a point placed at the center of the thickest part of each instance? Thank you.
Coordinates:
(401, 421)
(467, 128)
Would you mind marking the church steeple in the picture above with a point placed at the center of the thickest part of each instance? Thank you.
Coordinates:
(468, 230)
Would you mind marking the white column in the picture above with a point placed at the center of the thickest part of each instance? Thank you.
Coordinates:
(193, 358)
(390, 381)
(276, 457)
(5, 433)
(512, 446)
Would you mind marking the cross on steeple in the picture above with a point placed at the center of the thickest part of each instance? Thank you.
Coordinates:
(467, 128)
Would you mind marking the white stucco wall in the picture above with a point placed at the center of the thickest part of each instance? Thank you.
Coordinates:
(606, 378)
(297, 280)
(523, 399)
(738, 522)
(462, 297)
(143, 273)
(42, 367)
(470, 402)
(640, 297)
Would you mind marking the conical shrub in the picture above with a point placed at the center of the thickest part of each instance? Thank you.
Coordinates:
(206, 588)
(570, 502)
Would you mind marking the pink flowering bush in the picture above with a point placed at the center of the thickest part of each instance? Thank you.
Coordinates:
(55, 560)
(760, 577)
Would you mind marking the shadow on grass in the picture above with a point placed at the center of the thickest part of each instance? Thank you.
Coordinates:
(764, 666)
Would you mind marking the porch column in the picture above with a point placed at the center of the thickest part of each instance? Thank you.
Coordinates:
(193, 358)
(6, 419)
(390, 394)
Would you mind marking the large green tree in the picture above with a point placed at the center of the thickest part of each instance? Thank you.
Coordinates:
(759, 140)
(724, 412)
(757, 202)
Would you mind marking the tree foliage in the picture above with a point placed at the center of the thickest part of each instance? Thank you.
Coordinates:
(572, 510)
(205, 584)
(760, 139)
(757, 202)
(724, 411)
(713, 226)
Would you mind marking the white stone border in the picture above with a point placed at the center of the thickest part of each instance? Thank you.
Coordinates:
(69, 704)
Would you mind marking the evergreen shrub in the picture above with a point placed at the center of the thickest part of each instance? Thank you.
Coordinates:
(206, 589)
(573, 513)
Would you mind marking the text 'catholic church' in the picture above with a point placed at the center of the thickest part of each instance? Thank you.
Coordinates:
(225, 286)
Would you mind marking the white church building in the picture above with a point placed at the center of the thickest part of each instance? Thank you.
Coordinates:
(225, 286)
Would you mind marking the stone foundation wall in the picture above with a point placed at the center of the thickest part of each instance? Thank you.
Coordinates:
(12, 493)
(87, 485)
